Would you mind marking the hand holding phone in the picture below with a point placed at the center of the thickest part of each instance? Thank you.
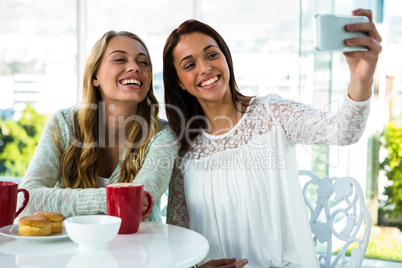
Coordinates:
(330, 32)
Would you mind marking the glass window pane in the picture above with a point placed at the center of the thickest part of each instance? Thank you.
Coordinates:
(37, 55)
(263, 39)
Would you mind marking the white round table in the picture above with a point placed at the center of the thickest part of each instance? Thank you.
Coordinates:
(156, 245)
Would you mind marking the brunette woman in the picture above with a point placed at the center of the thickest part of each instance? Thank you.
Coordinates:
(236, 181)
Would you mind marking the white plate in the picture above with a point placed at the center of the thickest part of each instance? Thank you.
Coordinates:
(12, 231)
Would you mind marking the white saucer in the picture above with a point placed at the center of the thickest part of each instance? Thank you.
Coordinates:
(12, 231)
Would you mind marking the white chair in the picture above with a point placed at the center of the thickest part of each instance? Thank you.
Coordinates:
(337, 214)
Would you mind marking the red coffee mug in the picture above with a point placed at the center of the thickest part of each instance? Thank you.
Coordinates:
(8, 202)
(124, 200)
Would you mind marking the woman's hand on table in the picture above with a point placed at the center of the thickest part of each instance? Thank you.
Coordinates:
(225, 263)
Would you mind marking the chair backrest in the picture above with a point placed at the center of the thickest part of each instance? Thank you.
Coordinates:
(336, 218)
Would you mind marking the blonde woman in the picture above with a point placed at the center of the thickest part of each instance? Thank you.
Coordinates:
(115, 135)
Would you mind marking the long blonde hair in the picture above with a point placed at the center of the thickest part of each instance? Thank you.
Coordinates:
(79, 164)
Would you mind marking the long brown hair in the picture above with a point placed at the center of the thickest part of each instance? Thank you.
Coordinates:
(187, 105)
(79, 161)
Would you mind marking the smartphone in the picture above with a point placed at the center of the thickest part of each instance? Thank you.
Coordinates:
(330, 33)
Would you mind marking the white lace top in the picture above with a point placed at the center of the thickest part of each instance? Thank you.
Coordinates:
(241, 189)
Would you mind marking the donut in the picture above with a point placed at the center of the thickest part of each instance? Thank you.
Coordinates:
(55, 218)
(34, 226)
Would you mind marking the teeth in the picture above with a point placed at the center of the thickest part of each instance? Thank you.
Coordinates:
(209, 82)
(131, 81)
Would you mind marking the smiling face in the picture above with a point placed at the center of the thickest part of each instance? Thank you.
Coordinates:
(124, 74)
(202, 68)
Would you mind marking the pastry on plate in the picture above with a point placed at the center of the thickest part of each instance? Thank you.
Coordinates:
(55, 218)
(34, 226)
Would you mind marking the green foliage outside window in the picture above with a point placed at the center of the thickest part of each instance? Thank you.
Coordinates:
(392, 165)
(18, 141)
(385, 244)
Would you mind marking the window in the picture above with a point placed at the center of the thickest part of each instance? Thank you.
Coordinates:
(37, 55)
